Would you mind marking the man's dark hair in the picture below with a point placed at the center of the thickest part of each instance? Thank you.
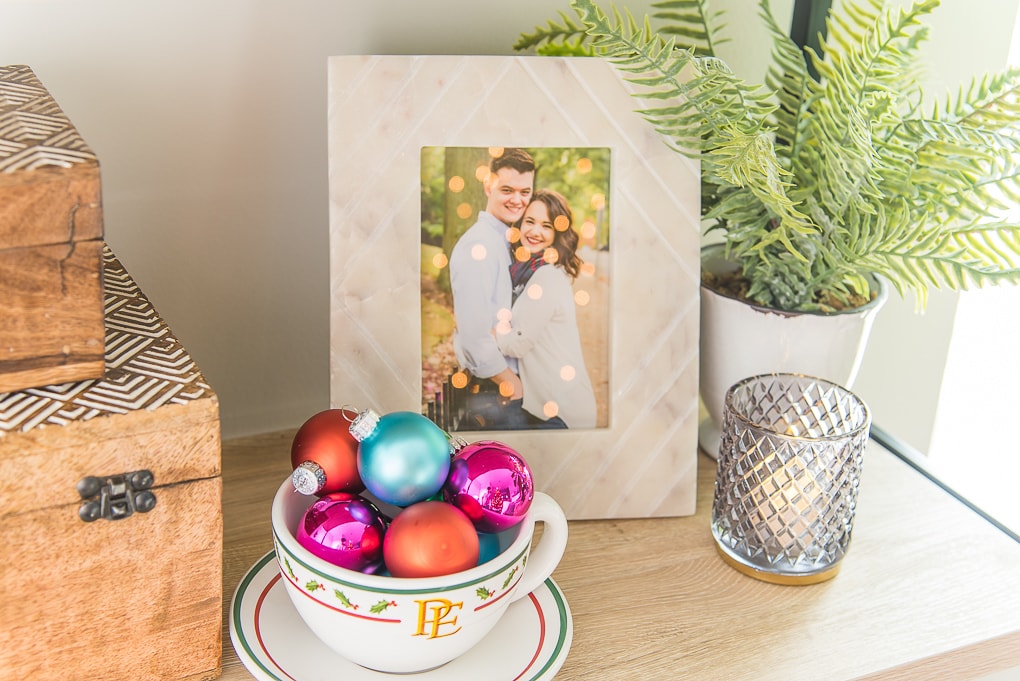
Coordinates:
(515, 158)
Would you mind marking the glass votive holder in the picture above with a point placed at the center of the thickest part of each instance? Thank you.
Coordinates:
(787, 477)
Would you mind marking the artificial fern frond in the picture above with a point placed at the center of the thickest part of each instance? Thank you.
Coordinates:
(839, 149)
(749, 161)
(847, 28)
(709, 81)
(832, 172)
(872, 52)
(567, 37)
(990, 103)
(964, 161)
(701, 87)
(566, 48)
(781, 282)
(736, 210)
(691, 24)
(788, 77)
(710, 110)
(866, 48)
(963, 257)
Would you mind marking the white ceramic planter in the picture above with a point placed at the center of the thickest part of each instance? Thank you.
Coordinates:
(739, 340)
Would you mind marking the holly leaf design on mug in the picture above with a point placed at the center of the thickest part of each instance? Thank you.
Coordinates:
(381, 606)
(510, 576)
(344, 601)
(484, 593)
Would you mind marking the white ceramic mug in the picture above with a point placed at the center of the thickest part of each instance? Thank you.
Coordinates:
(405, 625)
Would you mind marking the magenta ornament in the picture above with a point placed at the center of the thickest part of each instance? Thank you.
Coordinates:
(492, 484)
(346, 530)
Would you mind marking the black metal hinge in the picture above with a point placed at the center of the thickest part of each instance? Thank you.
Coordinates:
(115, 497)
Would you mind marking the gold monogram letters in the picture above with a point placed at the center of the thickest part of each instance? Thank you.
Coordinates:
(435, 619)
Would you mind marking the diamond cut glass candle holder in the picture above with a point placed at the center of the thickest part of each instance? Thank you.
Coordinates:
(787, 477)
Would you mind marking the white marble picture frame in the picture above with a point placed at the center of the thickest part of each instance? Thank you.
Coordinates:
(382, 111)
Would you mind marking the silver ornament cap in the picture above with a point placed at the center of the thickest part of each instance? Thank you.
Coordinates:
(457, 443)
(364, 424)
(308, 478)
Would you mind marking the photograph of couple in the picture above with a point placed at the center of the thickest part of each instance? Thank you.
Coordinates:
(515, 287)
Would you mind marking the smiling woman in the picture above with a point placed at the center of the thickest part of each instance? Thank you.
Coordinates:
(541, 332)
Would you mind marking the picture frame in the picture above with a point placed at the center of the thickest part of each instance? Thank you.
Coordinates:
(382, 111)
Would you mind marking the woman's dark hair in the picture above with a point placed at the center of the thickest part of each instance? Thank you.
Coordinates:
(565, 238)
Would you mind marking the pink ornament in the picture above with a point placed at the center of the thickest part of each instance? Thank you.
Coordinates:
(346, 530)
(492, 484)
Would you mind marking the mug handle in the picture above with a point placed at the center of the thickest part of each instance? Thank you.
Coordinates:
(546, 557)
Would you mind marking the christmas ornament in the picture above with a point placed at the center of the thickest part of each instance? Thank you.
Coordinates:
(324, 455)
(488, 546)
(346, 530)
(403, 457)
(429, 539)
(492, 484)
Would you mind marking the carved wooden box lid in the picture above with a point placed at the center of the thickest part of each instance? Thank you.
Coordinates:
(49, 177)
(146, 367)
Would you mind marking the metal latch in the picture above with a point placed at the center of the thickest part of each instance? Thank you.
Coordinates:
(115, 497)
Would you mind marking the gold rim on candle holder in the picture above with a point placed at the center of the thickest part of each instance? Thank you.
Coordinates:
(776, 578)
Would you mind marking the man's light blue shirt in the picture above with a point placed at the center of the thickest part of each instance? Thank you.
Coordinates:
(480, 281)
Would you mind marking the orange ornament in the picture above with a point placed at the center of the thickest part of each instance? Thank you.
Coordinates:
(428, 539)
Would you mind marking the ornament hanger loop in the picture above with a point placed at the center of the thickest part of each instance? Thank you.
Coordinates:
(349, 412)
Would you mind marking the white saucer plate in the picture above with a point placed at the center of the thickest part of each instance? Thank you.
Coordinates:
(529, 643)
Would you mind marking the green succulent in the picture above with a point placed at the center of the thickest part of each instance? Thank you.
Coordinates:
(830, 171)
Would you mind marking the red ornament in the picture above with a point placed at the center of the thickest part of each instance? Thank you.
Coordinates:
(324, 455)
(429, 539)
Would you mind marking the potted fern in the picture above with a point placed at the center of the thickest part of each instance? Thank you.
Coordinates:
(822, 183)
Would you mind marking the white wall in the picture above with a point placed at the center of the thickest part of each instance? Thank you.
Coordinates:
(209, 120)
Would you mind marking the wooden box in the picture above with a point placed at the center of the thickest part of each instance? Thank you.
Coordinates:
(110, 512)
(51, 241)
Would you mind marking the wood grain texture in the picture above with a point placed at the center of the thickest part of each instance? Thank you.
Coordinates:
(50, 189)
(51, 232)
(50, 206)
(51, 315)
(927, 590)
(136, 598)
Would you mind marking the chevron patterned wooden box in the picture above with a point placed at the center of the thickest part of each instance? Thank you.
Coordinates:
(110, 512)
(51, 232)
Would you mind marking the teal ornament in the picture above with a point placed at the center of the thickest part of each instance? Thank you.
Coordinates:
(488, 546)
(403, 457)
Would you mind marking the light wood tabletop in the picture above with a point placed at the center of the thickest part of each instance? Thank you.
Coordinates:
(928, 589)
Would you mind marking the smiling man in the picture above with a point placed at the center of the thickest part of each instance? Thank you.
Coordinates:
(480, 281)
